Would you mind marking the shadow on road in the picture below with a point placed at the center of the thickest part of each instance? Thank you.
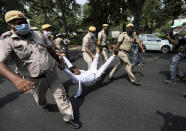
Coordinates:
(172, 122)
(166, 74)
(53, 108)
(9, 98)
(76, 103)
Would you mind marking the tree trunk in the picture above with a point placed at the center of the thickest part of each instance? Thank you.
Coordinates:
(151, 26)
(63, 17)
(135, 7)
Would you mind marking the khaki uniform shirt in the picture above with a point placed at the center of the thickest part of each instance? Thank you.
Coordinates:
(90, 42)
(103, 37)
(127, 41)
(30, 56)
(58, 42)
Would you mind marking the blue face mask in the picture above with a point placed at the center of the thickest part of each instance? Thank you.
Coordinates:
(22, 29)
(92, 34)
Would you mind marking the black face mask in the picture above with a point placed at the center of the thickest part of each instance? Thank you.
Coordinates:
(129, 32)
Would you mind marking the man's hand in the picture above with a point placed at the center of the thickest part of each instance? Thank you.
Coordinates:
(168, 36)
(93, 57)
(24, 85)
(112, 52)
(60, 55)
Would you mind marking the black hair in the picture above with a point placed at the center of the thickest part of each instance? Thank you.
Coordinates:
(72, 68)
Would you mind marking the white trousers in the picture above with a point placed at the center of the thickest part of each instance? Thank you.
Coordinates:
(101, 70)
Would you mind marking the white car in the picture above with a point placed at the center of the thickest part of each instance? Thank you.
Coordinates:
(153, 42)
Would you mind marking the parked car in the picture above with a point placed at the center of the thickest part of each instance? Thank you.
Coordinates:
(155, 43)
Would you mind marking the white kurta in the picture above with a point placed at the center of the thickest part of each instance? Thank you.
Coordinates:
(88, 77)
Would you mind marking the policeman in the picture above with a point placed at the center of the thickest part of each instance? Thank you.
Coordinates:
(102, 41)
(59, 41)
(124, 44)
(178, 49)
(47, 31)
(88, 45)
(36, 61)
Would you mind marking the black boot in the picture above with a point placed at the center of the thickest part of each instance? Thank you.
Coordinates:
(75, 124)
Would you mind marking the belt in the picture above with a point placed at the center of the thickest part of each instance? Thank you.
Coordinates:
(41, 76)
(123, 50)
(104, 46)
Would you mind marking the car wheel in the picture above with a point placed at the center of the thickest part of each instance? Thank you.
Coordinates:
(165, 49)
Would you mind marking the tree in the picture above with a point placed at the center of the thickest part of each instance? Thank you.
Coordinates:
(6, 6)
(150, 15)
(98, 12)
(158, 13)
(56, 12)
(135, 6)
(172, 9)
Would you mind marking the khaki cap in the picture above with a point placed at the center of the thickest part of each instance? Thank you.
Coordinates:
(130, 25)
(105, 25)
(92, 28)
(34, 28)
(46, 26)
(13, 14)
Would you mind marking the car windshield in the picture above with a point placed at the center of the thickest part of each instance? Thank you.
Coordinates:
(152, 38)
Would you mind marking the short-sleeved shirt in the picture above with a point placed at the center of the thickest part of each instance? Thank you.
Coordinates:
(90, 42)
(103, 37)
(59, 42)
(30, 55)
(127, 41)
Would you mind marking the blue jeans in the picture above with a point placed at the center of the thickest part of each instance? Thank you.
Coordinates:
(136, 57)
(174, 69)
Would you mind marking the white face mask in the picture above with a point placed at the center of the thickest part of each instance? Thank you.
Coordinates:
(47, 33)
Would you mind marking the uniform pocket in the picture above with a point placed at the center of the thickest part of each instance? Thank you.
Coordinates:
(22, 51)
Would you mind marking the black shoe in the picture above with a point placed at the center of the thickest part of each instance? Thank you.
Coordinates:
(181, 77)
(184, 95)
(75, 124)
(136, 83)
(170, 81)
(115, 52)
(111, 78)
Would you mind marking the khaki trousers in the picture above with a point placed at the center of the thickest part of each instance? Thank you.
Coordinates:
(88, 59)
(104, 54)
(53, 80)
(123, 59)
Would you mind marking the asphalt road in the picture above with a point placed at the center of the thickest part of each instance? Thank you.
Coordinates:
(107, 106)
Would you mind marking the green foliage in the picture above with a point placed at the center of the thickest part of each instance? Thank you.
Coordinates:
(61, 14)
(98, 12)
(6, 5)
(156, 14)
